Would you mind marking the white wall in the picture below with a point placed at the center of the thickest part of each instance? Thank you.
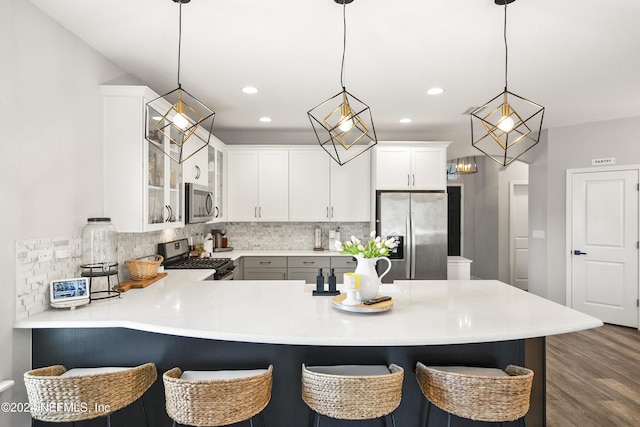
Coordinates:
(51, 158)
(567, 148)
(486, 216)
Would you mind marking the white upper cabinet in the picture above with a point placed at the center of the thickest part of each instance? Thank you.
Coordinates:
(411, 166)
(195, 168)
(323, 191)
(351, 189)
(257, 185)
(309, 185)
(144, 188)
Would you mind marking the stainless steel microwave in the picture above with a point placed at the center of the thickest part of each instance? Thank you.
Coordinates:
(198, 203)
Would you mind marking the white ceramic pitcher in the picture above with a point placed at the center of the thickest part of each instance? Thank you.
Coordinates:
(369, 280)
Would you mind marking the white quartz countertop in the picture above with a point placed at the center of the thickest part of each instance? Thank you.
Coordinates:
(425, 312)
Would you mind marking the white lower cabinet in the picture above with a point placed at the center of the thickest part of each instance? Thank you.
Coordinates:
(258, 185)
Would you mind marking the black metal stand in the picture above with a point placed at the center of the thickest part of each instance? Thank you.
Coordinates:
(99, 271)
(325, 293)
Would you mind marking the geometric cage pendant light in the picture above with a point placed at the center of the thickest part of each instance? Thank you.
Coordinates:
(508, 125)
(177, 116)
(343, 124)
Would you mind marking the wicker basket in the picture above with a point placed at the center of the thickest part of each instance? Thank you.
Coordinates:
(478, 397)
(84, 395)
(145, 267)
(351, 397)
(216, 402)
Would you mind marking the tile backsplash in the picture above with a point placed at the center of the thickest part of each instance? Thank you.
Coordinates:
(38, 261)
(288, 236)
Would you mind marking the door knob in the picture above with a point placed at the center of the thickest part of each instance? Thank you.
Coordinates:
(577, 252)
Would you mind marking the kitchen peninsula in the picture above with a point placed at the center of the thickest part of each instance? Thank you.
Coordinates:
(183, 321)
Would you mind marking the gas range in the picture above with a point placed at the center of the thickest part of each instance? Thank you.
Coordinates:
(176, 256)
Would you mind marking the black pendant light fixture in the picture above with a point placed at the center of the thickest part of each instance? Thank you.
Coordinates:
(343, 124)
(178, 115)
(508, 125)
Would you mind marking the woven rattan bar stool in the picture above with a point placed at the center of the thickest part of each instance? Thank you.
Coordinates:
(217, 398)
(60, 396)
(479, 394)
(352, 392)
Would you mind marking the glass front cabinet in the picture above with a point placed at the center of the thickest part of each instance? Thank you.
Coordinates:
(216, 172)
(144, 187)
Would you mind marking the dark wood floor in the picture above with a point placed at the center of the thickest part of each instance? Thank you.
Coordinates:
(593, 378)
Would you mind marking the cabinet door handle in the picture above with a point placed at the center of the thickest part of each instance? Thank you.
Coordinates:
(170, 214)
(327, 211)
(408, 180)
(308, 262)
(414, 179)
(197, 172)
(209, 203)
(259, 211)
(331, 211)
(265, 262)
(217, 212)
(255, 212)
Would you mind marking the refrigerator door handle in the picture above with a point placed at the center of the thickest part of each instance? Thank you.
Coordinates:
(408, 243)
(413, 248)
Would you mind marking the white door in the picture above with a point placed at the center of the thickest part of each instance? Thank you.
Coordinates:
(519, 234)
(603, 244)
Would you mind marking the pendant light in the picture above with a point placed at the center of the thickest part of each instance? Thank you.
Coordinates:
(179, 116)
(343, 124)
(508, 125)
(464, 165)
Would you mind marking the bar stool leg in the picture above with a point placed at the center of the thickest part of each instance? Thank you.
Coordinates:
(109, 420)
(262, 419)
(448, 419)
(426, 424)
(144, 412)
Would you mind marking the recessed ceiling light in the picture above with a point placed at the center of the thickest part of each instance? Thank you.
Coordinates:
(435, 91)
(249, 89)
(406, 120)
(265, 119)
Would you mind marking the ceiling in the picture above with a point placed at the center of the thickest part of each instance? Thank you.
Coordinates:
(578, 58)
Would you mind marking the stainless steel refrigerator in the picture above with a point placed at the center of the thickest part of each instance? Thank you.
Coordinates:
(417, 220)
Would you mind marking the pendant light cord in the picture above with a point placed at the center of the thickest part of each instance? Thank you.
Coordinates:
(506, 49)
(344, 41)
(179, 39)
